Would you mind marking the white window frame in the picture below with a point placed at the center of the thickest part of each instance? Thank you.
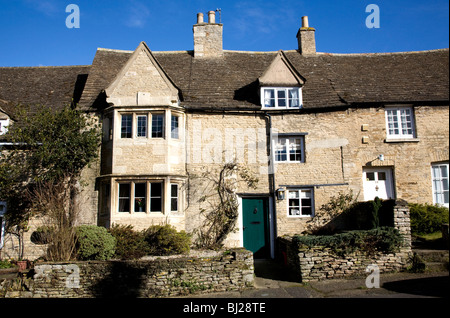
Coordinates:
(174, 131)
(4, 123)
(176, 197)
(439, 192)
(299, 191)
(288, 141)
(277, 100)
(400, 121)
(148, 198)
(146, 125)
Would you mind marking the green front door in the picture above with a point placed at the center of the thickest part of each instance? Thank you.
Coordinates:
(256, 226)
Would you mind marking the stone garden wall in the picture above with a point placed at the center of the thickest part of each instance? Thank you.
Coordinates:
(152, 277)
(318, 262)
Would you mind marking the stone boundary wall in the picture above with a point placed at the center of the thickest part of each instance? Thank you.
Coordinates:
(318, 263)
(145, 278)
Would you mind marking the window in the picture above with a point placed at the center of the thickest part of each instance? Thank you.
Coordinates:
(142, 125)
(290, 149)
(4, 123)
(281, 97)
(174, 127)
(127, 126)
(174, 197)
(156, 197)
(400, 122)
(158, 126)
(124, 197)
(439, 173)
(140, 197)
(300, 202)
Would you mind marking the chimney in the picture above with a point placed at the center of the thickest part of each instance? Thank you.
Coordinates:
(208, 37)
(306, 38)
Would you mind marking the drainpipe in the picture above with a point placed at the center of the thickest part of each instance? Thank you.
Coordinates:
(271, 171)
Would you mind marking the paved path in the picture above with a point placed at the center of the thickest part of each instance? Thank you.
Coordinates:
(273, 281)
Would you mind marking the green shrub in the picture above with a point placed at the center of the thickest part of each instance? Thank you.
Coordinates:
(130, 244)
(5, 264)
(94, 243)
(165, 240)
(426, 218)
(384, 239)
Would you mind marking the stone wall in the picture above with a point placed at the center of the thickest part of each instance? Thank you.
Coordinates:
(319, 262)
(152, 277)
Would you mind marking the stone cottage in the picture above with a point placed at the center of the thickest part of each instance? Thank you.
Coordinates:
(308, 125)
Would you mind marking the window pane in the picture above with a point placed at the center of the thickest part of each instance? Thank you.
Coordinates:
(142, 126)
(156, 197)
(280, 150)
(140, 190)
(269, 97)
(370, 176)
(393, 122)
(444, 172)
(281, 96)
(381, 175)
(126, 127)
(174, 127)
(174, 197)
(295, 151)
(124, 197)
(158, 126)
(293, 98)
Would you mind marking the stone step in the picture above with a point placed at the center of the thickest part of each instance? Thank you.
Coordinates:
(433, 255)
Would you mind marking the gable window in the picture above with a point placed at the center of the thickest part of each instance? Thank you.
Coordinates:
(439, 173)
(281, 97)
(300, 202)
(158, 126)
(127, 126)
(290, 149)
(142, 125)
(400, 122)
(174, 127)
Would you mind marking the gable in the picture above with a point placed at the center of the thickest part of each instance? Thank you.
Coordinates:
(281, 73)
(142, 82)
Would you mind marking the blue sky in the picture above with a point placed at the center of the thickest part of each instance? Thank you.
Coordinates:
(34, 32)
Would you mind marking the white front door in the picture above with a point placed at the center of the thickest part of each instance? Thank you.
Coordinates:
(378, 183)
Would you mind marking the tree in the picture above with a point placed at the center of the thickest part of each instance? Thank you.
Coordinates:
(40, 173)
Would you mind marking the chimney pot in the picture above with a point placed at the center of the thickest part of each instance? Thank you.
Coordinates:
(212, 17)
(199, 18)
(305, 22)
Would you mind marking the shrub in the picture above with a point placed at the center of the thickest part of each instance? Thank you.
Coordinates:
(165, 240)
(94, 243)
(384, 239)
(130, 244)
(5, 264)
(426, 218)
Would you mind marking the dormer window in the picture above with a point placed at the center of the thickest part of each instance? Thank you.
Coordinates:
(281, 97)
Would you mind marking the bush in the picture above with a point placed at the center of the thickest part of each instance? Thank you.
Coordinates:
(130, 244)
(426, 218)
(94, 243)
(165, 240)
(384, 239)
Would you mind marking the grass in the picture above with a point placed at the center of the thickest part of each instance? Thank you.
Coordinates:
(431, 240)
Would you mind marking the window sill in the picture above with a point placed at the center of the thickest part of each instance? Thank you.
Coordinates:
(299, 216)
(397, 140)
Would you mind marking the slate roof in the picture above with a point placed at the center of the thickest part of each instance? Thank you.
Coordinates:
(231, 82)
(332, 80)
(55, 87)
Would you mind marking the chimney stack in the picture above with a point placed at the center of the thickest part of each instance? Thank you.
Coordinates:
(208, 37)
(306, 38)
